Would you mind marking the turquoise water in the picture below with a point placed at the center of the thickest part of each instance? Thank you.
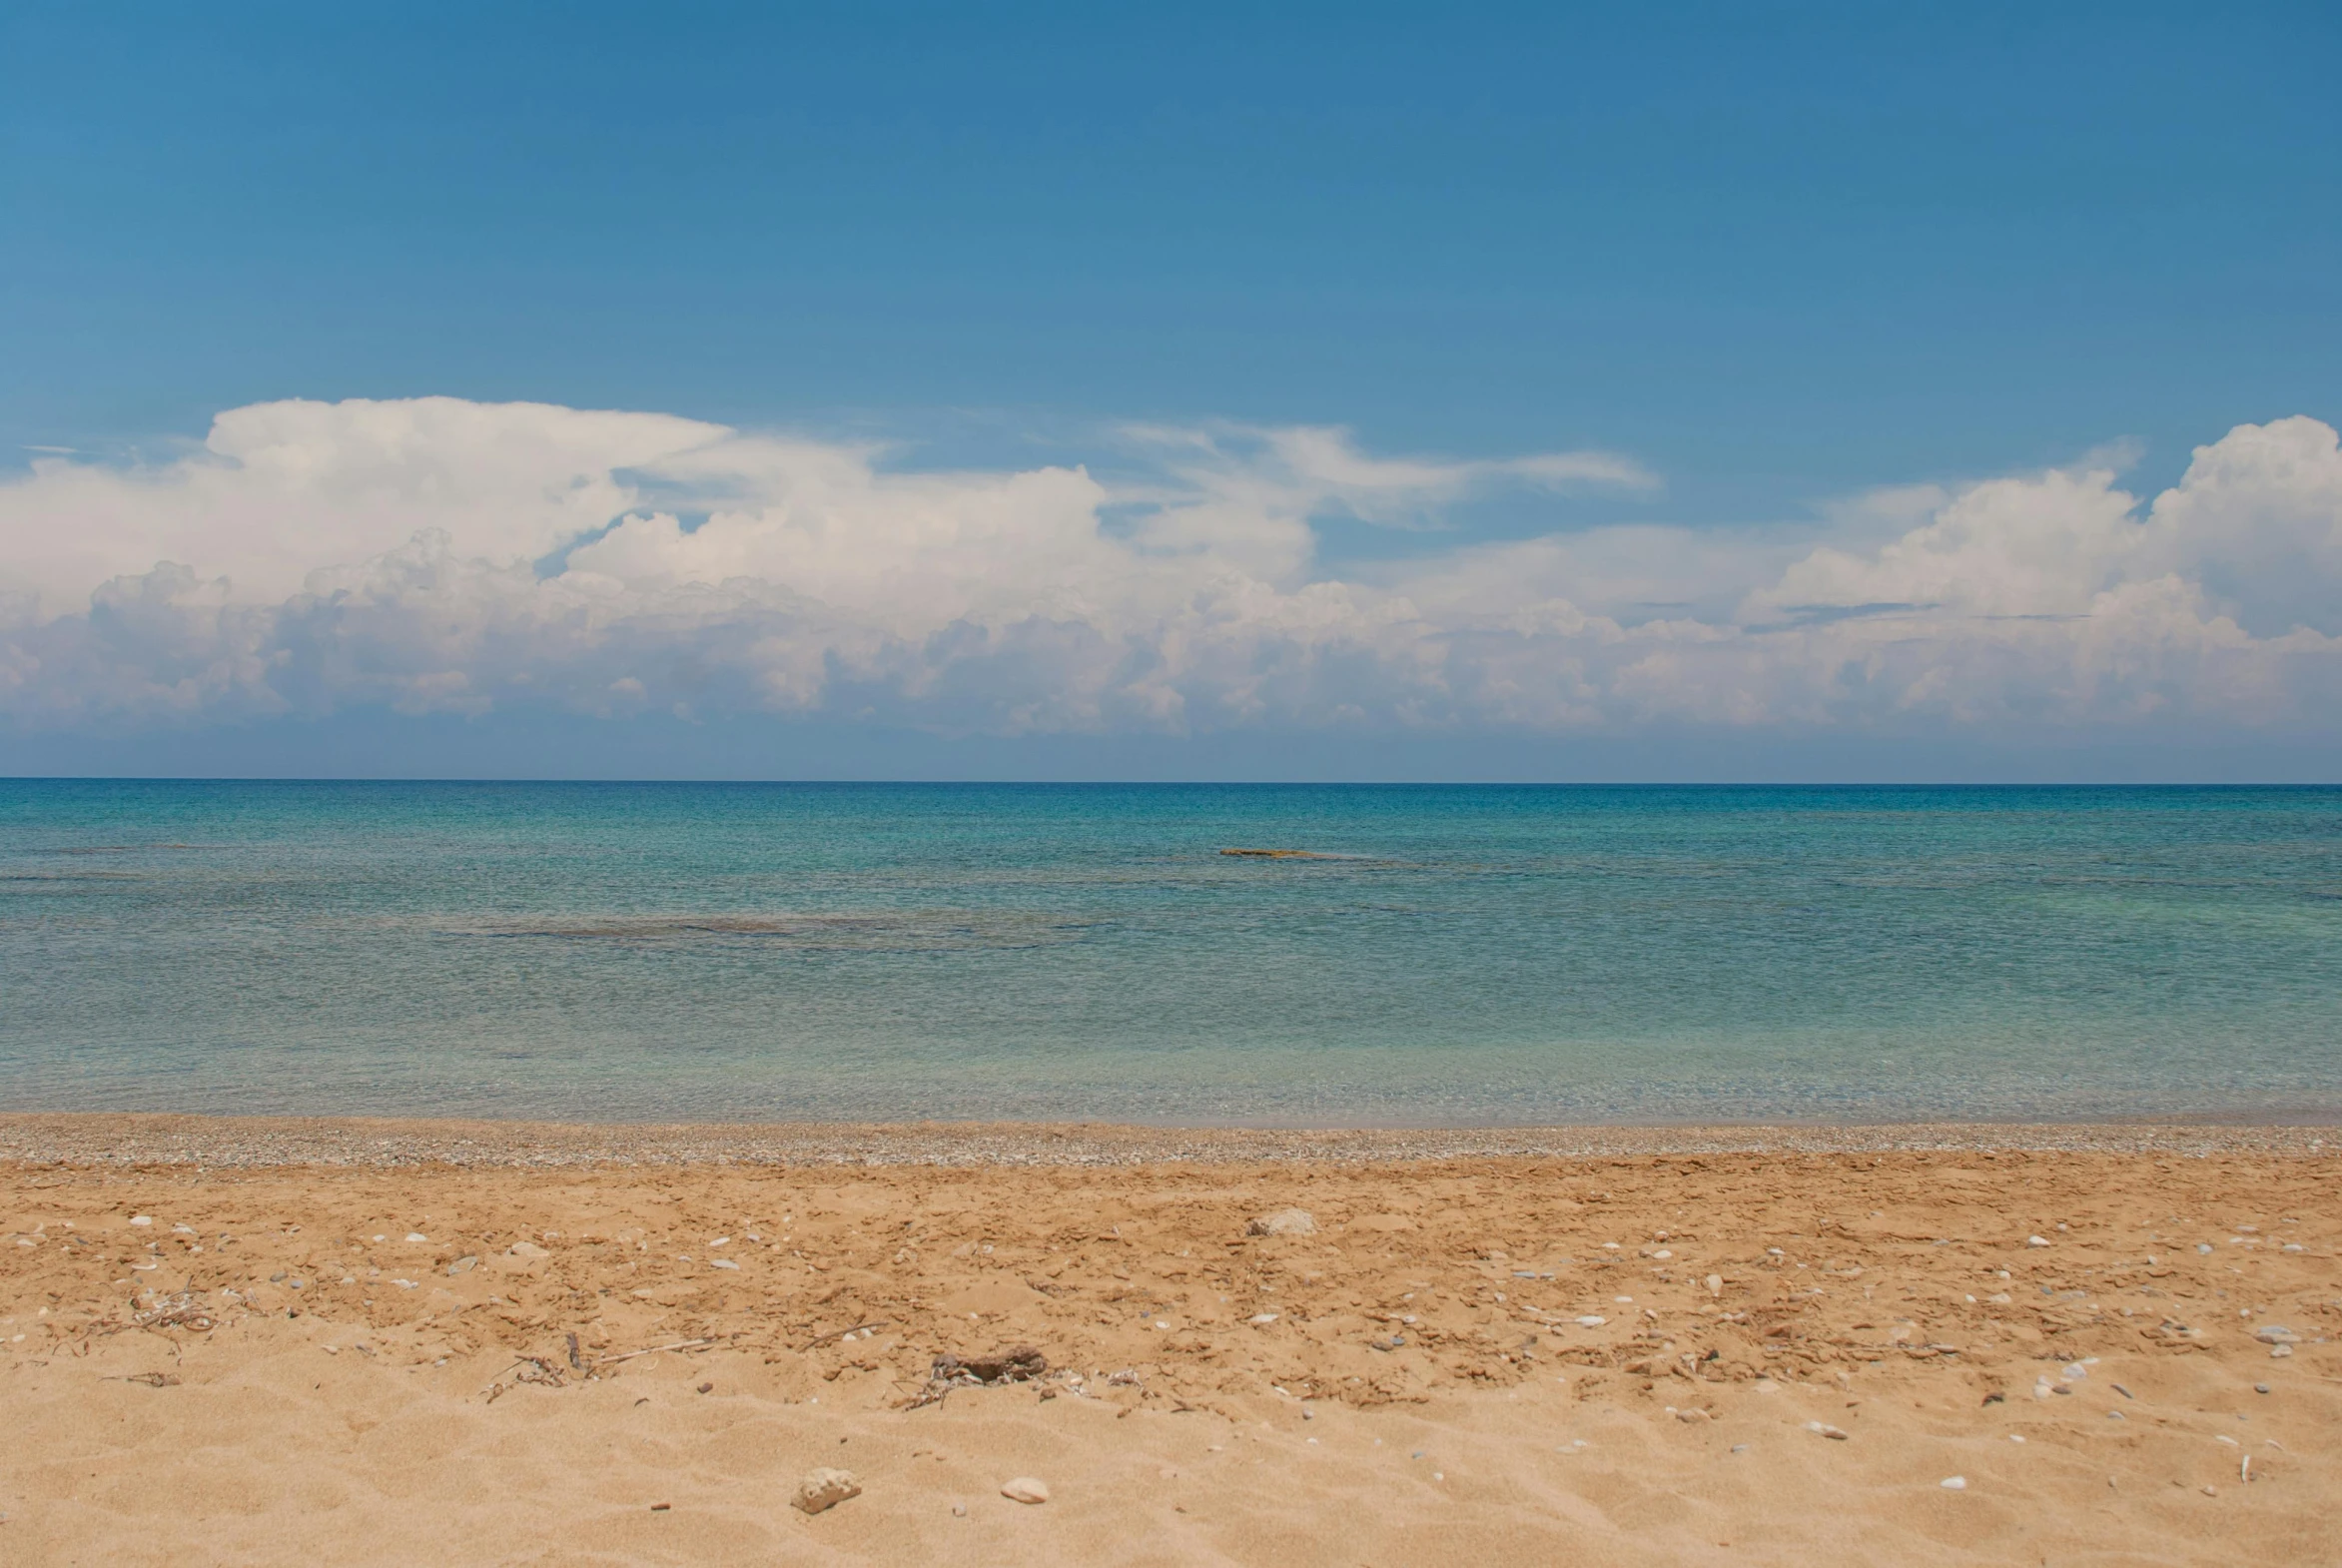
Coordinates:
(1463, 955)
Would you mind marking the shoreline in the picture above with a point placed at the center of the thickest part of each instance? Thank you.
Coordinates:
(143, 1139)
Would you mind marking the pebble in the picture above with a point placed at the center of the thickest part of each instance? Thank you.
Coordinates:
(1590, 1322)
(2036, 1240)
(824, 1489)
(1715, 1284)
(2275, 1334)
(1285, 1221)
(1827, 1430)
(1024, 1489)
(1954, 1483)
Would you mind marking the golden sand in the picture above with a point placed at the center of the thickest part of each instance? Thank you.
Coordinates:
(425, 1342)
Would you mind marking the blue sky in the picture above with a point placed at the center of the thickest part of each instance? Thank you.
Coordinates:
(1777, 258)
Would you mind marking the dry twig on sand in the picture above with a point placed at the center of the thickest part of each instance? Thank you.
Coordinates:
(680, 1344)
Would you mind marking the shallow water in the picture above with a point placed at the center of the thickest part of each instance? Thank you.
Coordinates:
(1460, 955)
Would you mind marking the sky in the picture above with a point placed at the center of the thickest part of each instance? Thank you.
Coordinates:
(1735, 391)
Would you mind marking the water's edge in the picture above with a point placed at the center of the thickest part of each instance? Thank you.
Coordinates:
(238, 1142)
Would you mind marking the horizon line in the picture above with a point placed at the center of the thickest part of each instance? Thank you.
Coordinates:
(1172, 783)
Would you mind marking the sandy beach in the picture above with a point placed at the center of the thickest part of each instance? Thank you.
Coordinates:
(267, 1341)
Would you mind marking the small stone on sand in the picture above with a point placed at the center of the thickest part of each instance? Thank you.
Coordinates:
(1024, 1489)
(1285, 1221)
(825, 1488)
(1954, 1483)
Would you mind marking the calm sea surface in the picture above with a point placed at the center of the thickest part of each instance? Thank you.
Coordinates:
(1462, 955)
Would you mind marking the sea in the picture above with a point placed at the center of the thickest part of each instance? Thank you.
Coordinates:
(1436, 956)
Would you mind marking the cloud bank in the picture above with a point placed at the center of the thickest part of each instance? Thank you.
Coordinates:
(441, 556)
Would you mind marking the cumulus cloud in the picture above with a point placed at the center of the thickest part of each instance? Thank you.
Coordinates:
(437, 555)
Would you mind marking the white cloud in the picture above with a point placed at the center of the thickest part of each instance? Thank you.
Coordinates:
(437, 555)
(280, 488)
